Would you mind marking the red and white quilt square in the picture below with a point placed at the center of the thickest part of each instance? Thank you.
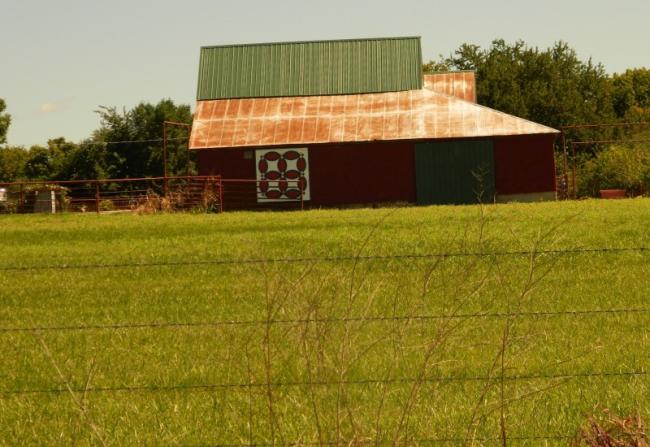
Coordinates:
(282, 174)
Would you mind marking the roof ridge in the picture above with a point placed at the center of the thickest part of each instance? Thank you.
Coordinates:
(448, 72)
(297, 42)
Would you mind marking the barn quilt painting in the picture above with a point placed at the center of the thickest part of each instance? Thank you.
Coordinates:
(281, 174)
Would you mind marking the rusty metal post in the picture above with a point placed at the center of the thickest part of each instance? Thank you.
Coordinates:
(220, 184)
(575, 162)
(97, 196)
(22, 199)
(302, 196)
(205, 197)
(165, 157)
(187, 169)
(566, 166)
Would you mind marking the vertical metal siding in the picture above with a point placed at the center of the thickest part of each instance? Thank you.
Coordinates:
(454, 172)
(310, 68)
(366, 173)
(524, 164)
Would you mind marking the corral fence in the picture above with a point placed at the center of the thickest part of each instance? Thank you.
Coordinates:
(187, 193)
(578, 139)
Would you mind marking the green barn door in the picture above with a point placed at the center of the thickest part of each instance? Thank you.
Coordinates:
(454, 172)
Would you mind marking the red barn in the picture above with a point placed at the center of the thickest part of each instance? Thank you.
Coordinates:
(356, 122)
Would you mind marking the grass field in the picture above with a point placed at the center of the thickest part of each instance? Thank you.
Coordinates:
(153, 333)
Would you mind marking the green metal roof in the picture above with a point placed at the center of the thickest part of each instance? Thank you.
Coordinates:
(334, 67)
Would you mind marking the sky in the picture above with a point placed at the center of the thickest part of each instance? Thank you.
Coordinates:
(60, 60)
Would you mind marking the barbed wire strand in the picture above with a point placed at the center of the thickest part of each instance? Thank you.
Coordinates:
(411, 256)
(324, 383)
(333, 320)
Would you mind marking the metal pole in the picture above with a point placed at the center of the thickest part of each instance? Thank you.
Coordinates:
(302, 201)
(97, 196)
(187, 170)
(566, 166)
(165, 157)
(220, 195)
(575, 161)
(205, 197)
(22, 199)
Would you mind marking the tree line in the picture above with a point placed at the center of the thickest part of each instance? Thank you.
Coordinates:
(550, 86)
(104, 154)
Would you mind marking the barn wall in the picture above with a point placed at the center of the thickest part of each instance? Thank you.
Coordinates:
(524, 164)
(339, 174)
(232, 164)
(362, 173)
(377, 172)
(229, 163)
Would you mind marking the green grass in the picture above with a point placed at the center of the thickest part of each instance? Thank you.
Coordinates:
(348, 375)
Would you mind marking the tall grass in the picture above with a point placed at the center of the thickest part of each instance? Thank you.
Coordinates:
(363, 351)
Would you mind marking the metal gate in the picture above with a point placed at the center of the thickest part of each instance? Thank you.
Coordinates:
(454, 172)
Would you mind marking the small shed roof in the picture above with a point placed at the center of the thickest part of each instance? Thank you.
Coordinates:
(461, 84)
(416, 114)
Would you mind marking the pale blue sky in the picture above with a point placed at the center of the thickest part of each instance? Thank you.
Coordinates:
(60, 59)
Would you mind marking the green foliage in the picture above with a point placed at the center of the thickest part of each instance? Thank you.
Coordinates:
(39, 163)
(616, 167)
(12, 163)
(5, 120)
(96, 158)
(631, 93)
(65, 160)
(86, 160)
(144, 122)
(551, 86)
(436, 66)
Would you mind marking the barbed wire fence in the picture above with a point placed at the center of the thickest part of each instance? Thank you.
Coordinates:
(269, 384)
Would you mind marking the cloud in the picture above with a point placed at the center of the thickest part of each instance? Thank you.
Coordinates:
(49, 107)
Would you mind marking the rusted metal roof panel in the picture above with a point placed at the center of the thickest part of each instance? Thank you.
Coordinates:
(461, 84)
(310, 68)
(416, 114)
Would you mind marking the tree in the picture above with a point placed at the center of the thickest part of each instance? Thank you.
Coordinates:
(631, 93)
(65, 160)
(552, 86)
(144, 122)
(86, 161)
(60, 153)
(12, 163)
(5, 120)
(38, 164)
(99, 157)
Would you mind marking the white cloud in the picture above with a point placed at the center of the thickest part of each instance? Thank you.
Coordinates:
(49, 107)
